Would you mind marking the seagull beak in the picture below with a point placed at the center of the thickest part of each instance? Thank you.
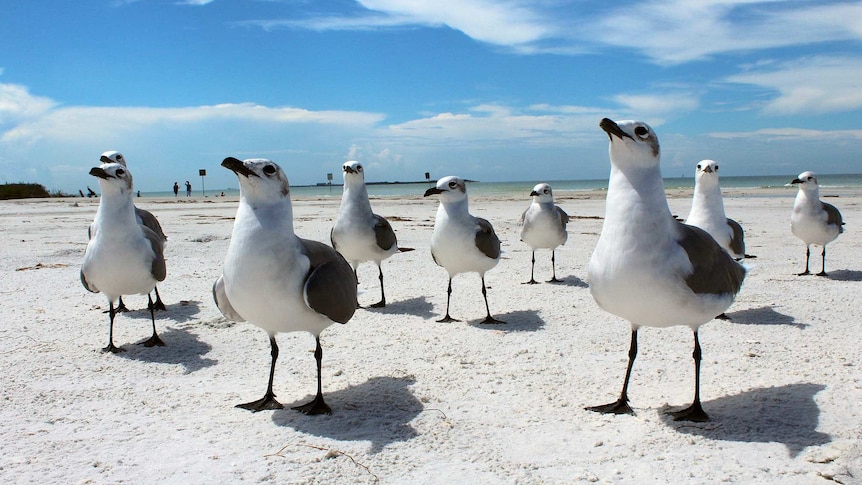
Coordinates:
(105, 159)
(708, 170)
(349, 170)
(98, 172)
(533, 193)
(611, 128)
(796, 181)
(237, 167)
(433, 191)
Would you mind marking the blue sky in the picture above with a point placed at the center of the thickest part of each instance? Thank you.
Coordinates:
(493, 91)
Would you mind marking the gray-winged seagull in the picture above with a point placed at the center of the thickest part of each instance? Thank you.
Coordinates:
(649, 268)
(123, 257)
(460, 242)
(276, 280)
(359, 234)
(707, 211)
(544, 227)
(812, 220)
(144, 217)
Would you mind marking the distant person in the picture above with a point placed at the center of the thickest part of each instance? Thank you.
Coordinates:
(176, 189)
(222, 194)
(139, 193)
(188, 189)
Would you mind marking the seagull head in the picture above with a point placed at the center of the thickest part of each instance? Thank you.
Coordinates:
(706, 172)
(807, 181)
(450, 189)
(114, 178)
(353, 172)
(113, 156)
(260, 180)
(632, 143)
(542, 193)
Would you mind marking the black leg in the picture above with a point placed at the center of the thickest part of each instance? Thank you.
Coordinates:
(316, 406)
(694, 412)
(447, 318)
(554, 268)
(532, 268)
(621, 406)
(488, 317)
(111, 348)
(807, 256)
(356, 277)
(154, 340)
(121, 307)
(159, 304)
(268, 400)
(382, 302)
(822, 263)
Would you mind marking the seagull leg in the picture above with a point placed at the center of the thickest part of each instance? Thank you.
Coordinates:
(153, 341)
(621, 405)
(356, 277)
(532, 268)
(382, 302)
(159, 304)
(807, 256)
(822, 263)
(316, 406)
(554, 268)
(268, 400)
(121, 307)
(447, 318)
(694, 412)
(111, 348)
(488, 317)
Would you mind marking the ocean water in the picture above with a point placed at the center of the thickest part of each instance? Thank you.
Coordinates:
(826, 181)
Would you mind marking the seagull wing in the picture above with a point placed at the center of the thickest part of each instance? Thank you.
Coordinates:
(158, 269)
(737, 242)
(833, 216)
(714, 271)
(147, 218)
(384, 233)
(330, 286)
(564, 218)
(223, 304)
(486, 239)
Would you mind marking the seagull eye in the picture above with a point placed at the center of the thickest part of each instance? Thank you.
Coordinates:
(453, 184)
(716, 168)
(269, 169)
(641, 131)
(359, 168)
(120, 172)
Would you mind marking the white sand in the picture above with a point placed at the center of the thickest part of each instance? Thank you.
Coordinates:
(415, 401)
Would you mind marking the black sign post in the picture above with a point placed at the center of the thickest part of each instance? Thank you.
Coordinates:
(203, 173)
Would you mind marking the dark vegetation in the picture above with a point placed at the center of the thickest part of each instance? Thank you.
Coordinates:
(27, 191)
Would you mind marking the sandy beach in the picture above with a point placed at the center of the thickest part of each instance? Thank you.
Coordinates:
(420, 402)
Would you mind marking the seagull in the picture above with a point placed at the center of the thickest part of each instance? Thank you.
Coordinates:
(123, 257)
(359, 234)
(144, 217)
(276, 280)
(544, 226)
(649, 268)
(814, 221)
(707, 211)
(461, 242)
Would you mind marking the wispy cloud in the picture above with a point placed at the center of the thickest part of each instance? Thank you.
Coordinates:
(808, 85)
(784, 134)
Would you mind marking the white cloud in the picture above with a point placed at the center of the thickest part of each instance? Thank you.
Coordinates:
(17, 104)
(784, 134)
(808, 85)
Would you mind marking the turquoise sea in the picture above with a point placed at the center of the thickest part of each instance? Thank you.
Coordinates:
(826, 181)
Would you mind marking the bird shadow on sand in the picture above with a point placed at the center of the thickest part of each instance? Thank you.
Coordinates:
(419, 306)
(181, 347)
(785, 414)
(845, 275)
(765, 315)
(378, 410)
(182, 311)
(516, 321)
(570, 280)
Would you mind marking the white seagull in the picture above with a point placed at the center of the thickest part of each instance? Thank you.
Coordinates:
(123, 257)
(276, 280)
(544, 227)
(462, 243)
(707, 211)
(144, 217)
(359, 234)
(649, 268)
(814, 221)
